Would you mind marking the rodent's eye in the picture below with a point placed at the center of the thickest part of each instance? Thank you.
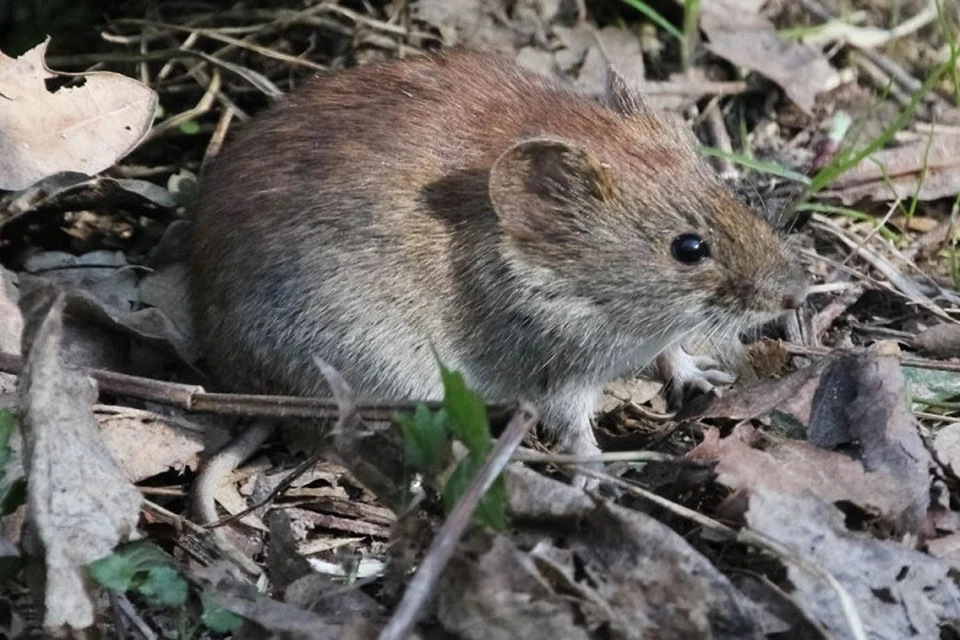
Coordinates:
(690, 248)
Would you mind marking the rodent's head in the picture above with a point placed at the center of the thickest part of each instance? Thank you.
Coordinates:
(627, 219)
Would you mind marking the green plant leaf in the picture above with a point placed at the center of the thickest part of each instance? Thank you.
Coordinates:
(114, 572)
(467, 413)
(190, 127)
(13, 496)
(931, 386)
(10, 567)
(164, 586)
(848, 158)
(8, 424)
(492, 508)
(216, 618)
(426, 438)
(130, 564)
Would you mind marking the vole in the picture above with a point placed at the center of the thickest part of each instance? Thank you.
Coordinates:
(541, 242)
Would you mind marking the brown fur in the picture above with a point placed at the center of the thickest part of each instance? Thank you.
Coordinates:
(456, 201)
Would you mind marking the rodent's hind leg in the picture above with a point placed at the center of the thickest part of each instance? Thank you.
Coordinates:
(684, 372)
(566, 416)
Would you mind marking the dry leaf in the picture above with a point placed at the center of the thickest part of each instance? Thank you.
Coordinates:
(946, 445)
(941, 341)
(145, 444)
(11, 325)
(792, 395)
(102, 289)
(862, 399)
(857, 401)
(618, 569)
(48, 129)
(501, 595)
(612, 46)
(787, 467)
(738, 33)
(947, 548)
(280, 619)
(467, 22)
(927, 168)
(80, 504)
(898, 592)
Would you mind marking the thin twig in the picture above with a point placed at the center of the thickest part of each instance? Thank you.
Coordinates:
(528, 455)
(441, 549)
(195, 398)
(907, 361)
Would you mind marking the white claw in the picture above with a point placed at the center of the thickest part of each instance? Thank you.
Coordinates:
(685, 371)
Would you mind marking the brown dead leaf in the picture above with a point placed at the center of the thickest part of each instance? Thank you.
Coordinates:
(638, 391)
(611, 46)
(327, 597)
(941, 341)
(898, 592)
(792, 394)
(946, 445)
(72, 192)
(862, 400)
(467, 22)
(618, 569)
(78, 501)
(146, 444)
(11, 325)
(103, 290)
(788, 467)
(501, 594)
(84, 127)
(856, 401)
(738, 33)
(926, 167)
(946, 548)
(282, 620)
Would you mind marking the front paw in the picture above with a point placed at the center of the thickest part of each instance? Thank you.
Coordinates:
(685, 373)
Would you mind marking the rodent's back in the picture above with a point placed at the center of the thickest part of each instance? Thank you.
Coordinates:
(353, 221)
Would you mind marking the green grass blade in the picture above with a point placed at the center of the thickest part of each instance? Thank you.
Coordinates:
(655, 17)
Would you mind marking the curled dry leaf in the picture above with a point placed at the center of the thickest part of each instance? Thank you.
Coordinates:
(79, 503)
(898, 592)
(738, 33)
(74, 192)
(57, 122)
(102, 289)
(862, 401)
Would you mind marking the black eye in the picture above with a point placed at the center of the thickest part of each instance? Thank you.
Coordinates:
(689, 248)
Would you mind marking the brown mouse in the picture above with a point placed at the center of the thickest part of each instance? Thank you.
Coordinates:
(542, 242)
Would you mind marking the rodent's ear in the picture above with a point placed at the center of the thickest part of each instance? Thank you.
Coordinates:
(623, 98)
(538, 185)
